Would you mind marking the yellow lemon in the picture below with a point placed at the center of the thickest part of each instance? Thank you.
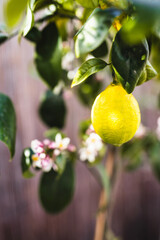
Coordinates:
(115, 115)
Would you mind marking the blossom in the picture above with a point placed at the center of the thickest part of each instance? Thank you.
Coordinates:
(42, 161)
(87, 153)
(91, 147)
(37, 146)
(45, 152)
(46, 142)
(47, 164)
(95, 141)
(90, 130)
(61, 143)
(71, 148)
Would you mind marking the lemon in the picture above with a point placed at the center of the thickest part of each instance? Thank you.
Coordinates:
(115, 115)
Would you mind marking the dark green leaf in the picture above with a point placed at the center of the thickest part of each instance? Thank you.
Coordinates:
(101, 51)
(94, 31)
(26, 163)
(56, 191)
(88, 68)
(14, 11)
(3, 37)
(33, 35)
(52, 110)
(7, 123)
(48, 55)
(128, 61)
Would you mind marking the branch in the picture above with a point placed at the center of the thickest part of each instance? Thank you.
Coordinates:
(103, 202)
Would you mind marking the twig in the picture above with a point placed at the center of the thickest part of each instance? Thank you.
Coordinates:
(101, 217)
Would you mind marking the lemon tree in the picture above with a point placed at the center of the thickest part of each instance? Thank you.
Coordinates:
(77, 46)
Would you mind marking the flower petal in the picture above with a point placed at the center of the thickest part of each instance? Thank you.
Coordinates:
(58, 138)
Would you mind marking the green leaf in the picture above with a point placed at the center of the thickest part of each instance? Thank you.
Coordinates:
(155, 56)
(148, 73)
(146, 20)
(26, 163)
(142, 77)
(48, 55)
(132, 154)
(52, 110)
(7, 123)
(88, 68)
(14, 10)
(88, 91)
(61, 161)
(104, 179)
(122, 4)
(94, 31)
(56, 191)
(28, 22)
(151, 72)
(101, 51)
(84, 125)
(128, 61)
(3, 37)
(52, 132)
(88, 3)
(33, 35)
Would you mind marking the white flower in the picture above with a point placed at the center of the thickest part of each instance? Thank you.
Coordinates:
(158, 128)
(141, 132)
(87, 153)
(60, 143)
(47, 164)
(37, 146)
(46, 142)
(36, 161)
(90, 130)
(56, 152)
(94, 141)
(42, 161)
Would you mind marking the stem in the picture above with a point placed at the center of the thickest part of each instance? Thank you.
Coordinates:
(95, 174)
(101, 217)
